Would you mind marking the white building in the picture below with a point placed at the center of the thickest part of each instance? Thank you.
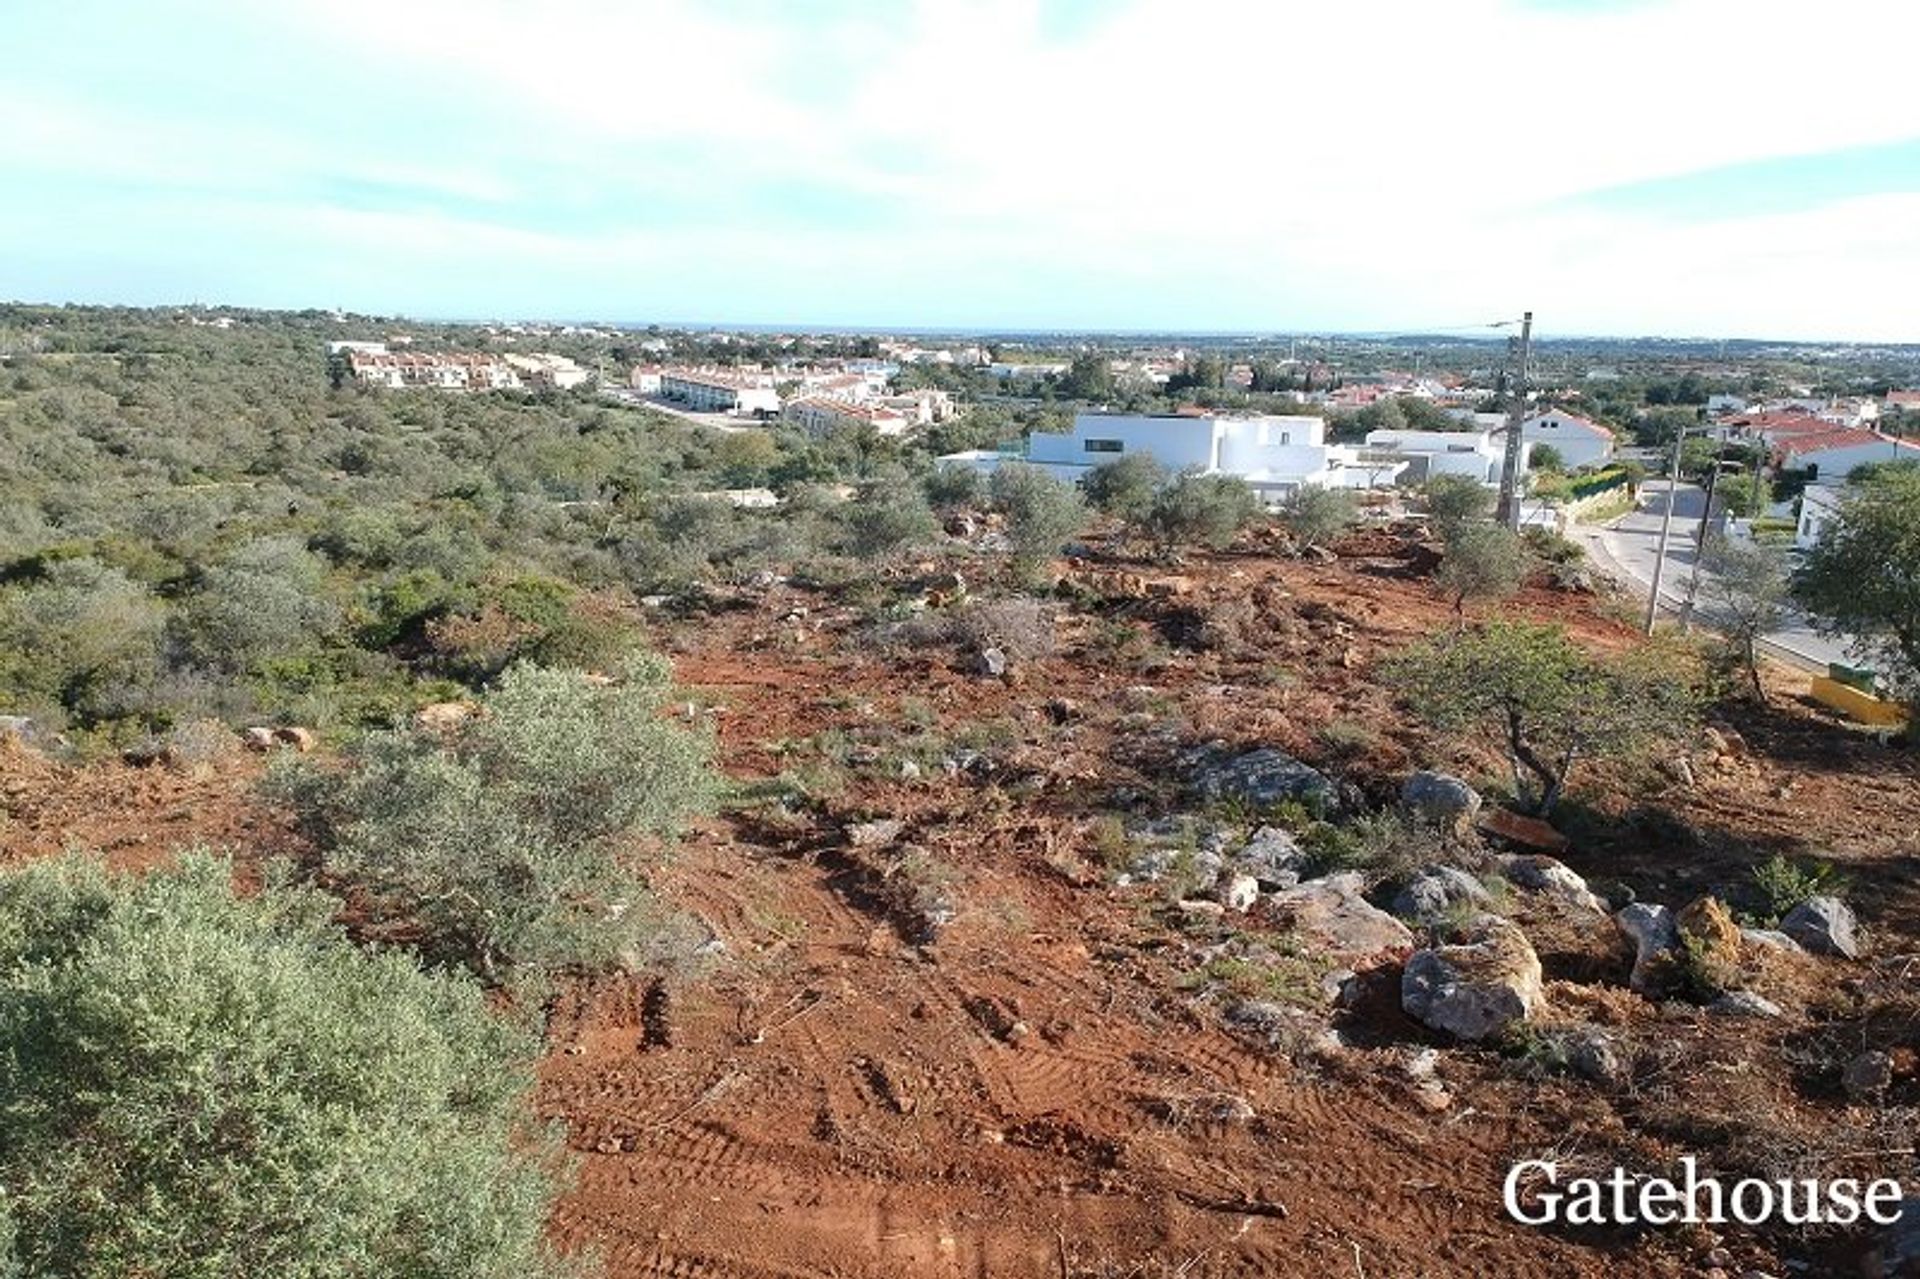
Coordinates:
(551, 372)
(1274, 455)
(1579, 441)
(1831, 456)
(1819, 507)
(1480, 454)
(820, 414)
(707, 391)
(1717, 404)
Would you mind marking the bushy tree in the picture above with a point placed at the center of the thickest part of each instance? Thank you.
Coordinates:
(1483, 561)
(83, 637)
(1317, 515)
(1862, 578)
(265, 601)
(1747, 592)
(1042, 513)
(1455, 500)
(1544, 700)
(1125, 487)
(886, 517)
(500, 844)
(1545, 457)
(1208, 509)
(202, 1085)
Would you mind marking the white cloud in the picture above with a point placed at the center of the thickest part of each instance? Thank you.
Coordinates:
(1180, 162)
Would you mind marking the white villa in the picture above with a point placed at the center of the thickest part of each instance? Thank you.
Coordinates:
(1274, 455)
(1481, 454)
(1579, 441)
(1819, 507)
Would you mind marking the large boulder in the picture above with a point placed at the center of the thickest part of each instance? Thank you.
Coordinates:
(1823, 925)
(1262, 778)
(1438, 893)
(1475, 987)
(1550, 878)
(1440, 800)
(1273, 857)
(1332, 915)
(1651, 929)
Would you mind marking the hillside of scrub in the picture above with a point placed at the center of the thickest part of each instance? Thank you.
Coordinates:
(943, 1024)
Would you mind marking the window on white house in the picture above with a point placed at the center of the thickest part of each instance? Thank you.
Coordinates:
(1104, 446)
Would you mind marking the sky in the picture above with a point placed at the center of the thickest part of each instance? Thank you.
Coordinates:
(1714, 168)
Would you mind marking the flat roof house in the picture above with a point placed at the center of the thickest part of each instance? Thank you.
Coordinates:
(1275, 455)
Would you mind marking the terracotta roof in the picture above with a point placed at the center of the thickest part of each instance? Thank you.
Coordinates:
(1841, 438)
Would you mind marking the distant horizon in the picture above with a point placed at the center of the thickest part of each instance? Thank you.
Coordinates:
(1489, 334)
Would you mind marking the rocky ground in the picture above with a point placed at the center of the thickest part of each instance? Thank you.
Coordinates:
(1026, 955)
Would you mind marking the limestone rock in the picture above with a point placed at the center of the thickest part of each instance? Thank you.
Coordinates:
(1239, 892)
(1825, 926)
(1436, 893)
(1441, 800)
(1273, 857)
(1331, 914)
(1477, 986)
(1551, 878)
(1652, 931)
(1262, 778)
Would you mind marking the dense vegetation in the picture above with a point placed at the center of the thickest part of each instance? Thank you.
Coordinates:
(199, 1085)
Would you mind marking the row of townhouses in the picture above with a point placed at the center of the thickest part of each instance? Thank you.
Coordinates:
(371, 364)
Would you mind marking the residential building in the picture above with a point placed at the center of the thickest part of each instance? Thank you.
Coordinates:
(548, 372)
(819, 414)
(1819, 507)
(1717, 404)
(441, 371)
(645, 378)
(1275, 455)
(1579, 441)
(1830, 457)
(721, 391)
(1480, 454)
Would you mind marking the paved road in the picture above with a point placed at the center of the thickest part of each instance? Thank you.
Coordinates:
(1628, 548)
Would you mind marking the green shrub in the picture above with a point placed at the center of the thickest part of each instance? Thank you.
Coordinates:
(500, 846)
(1207, 509)
(1784, 885)
(1042, 513)
(83, 638)
(1315, 516)
(197, 1085)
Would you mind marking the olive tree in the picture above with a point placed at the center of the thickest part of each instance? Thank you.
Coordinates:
(1456, 500)
(504, 842)
(1483, 561)
(1747, 593)
(1126, 487)
(1544, 700)
(1317, 515)
(200, 1085)
(1042, 513)
(1208, 509)
(1862, 578)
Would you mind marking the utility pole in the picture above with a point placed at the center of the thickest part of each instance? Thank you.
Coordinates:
(1666, 524)
(1700, 534)
(1509, 509)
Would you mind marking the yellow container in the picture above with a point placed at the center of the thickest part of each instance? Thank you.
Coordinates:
(1855, 704)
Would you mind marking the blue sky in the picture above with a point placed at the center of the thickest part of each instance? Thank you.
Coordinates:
(1618, 166)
